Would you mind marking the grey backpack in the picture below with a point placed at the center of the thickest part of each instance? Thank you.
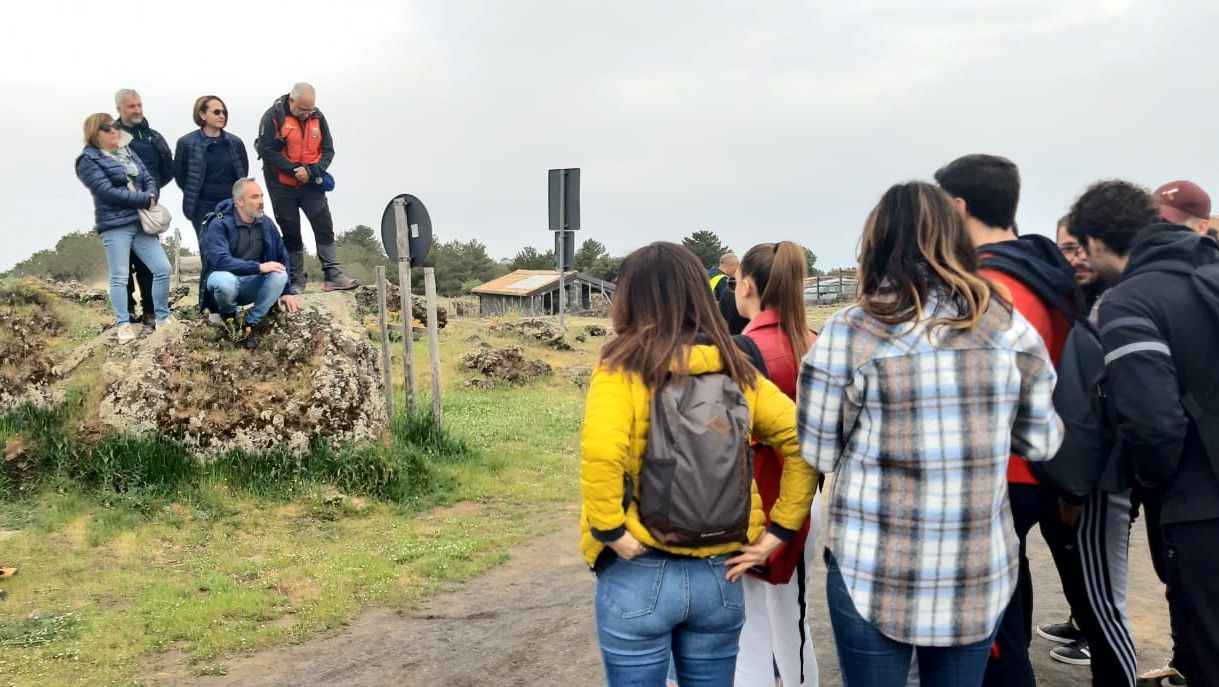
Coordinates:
(696, 483)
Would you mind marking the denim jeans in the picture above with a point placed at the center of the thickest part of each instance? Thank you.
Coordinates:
(263, 290)
(870, 659)
(659, 605)
(120, 243)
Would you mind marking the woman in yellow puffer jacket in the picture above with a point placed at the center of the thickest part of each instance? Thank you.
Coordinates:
(654, 600)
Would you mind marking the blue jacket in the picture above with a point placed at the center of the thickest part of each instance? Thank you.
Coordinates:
(152, 149)
(190, 167)
(216, 245)
(113, 204)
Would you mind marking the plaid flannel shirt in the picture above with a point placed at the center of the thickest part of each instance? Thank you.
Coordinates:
(918, 426)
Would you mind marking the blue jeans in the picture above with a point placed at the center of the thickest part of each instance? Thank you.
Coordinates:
(870, 659)
(657, 606)
(263, 290)
(120, 243)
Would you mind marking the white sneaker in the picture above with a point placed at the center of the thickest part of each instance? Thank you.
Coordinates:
(126, 333)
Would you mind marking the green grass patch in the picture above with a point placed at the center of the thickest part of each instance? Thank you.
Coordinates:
(129, 549)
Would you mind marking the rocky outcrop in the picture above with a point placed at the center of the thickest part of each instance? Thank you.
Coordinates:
(28, 324)
(366, 298)
(314, 377)
(502, 366)
(533, 329)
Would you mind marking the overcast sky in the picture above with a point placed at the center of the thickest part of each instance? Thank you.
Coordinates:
(758, 120)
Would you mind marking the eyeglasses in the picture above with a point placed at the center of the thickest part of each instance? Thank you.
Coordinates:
(219, 113)
(106, 128)
(1072, 250)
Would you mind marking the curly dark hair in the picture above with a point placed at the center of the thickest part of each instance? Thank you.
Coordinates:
(1112, 212)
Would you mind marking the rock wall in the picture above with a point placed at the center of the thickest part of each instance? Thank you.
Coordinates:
(314, 377)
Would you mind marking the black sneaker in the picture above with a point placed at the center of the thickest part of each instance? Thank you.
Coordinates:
(253, 333)
(1074, 654)
(1061, 633)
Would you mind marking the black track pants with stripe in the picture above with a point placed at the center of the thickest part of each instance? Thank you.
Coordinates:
(1104, 551)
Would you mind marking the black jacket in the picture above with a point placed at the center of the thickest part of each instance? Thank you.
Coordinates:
(152, 149)
(725, 297)
(270, 147)
(1160, 336)
(190, 167)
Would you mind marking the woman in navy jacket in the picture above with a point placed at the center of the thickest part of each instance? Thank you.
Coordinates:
(208, 161)
(121, 186)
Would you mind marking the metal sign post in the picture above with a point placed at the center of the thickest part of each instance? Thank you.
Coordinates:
(404, 291)
(559, 254)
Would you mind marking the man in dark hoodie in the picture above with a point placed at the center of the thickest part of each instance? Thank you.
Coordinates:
(245, 263)
(1158, 326)
(1041, 286)
(296, 148)
(150, 146)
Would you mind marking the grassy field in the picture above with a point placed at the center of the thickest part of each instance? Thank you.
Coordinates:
(134, 560)
(192, 565)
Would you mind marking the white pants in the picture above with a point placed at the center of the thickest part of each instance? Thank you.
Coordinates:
(772, 632)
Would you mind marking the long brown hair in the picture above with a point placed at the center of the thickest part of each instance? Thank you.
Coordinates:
(778, 270)
(913, 242)
(662, 307)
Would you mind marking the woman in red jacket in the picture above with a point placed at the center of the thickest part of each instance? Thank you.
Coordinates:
(770, 294)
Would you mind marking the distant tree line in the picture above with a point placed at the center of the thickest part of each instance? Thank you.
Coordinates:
(460, 265)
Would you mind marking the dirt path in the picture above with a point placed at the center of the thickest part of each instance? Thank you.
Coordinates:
(529, 623)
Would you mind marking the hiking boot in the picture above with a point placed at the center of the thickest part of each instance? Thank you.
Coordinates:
(1074, 654)
(1168, 676)
(340, 282)
(296, 270)
(234, 327)
(1061, 633)
(254, 333)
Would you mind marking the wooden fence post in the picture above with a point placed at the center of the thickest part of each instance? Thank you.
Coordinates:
(433, 343)
(383, 319)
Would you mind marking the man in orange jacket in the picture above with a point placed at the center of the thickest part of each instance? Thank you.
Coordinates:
(296, 148)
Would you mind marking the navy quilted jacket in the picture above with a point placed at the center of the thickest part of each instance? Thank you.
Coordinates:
(113, 204)
(190, 165)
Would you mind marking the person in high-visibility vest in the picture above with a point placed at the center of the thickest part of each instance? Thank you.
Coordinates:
(723, 285)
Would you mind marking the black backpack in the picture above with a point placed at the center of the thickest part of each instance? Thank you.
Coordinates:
(1087, 458)
(1090, 448)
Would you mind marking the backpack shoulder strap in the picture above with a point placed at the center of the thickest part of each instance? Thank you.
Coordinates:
(750, 348)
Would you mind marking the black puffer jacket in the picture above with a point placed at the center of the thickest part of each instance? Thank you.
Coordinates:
(114, 205)
(190, 165)
(152, 149)
(1159, 337)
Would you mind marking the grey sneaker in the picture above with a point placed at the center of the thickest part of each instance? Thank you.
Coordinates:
(1074, 654)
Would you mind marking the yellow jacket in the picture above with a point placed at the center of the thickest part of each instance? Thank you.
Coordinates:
(615, 436)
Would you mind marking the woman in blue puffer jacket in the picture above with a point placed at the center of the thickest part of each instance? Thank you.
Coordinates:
(121, 186)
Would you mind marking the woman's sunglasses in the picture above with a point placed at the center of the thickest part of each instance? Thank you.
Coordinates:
(220, 113)
(106, 128)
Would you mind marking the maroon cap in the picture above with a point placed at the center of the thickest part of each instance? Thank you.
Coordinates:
(1184, 196)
